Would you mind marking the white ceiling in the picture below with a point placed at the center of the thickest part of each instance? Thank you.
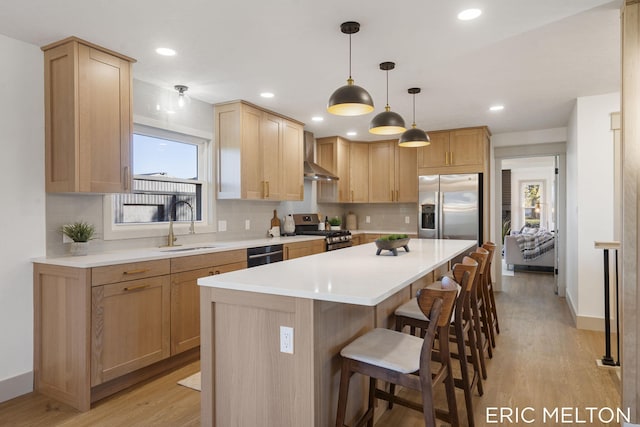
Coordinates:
(535, 57)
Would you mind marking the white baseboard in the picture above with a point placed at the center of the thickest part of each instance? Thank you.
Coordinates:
(588, 323)
(16, 386)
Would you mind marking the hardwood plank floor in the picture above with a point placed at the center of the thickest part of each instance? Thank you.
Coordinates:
(541, 361)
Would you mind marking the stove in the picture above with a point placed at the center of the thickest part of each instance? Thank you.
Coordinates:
(307, 224)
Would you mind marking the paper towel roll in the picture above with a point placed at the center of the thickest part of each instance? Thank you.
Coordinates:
(352, 222)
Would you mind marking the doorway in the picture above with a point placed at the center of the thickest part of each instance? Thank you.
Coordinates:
(530, 198)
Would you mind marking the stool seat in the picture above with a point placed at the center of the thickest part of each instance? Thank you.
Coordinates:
(387, 349)
(411, 309)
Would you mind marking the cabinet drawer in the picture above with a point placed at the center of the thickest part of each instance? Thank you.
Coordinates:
(195, 262)
(130, 271)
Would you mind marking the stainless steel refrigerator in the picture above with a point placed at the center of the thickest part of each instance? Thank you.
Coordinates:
(450, 207)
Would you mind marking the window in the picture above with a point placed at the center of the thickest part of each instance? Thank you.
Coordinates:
(531, 203)
(170, 171)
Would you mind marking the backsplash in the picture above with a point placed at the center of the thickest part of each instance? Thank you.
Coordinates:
(382, 216)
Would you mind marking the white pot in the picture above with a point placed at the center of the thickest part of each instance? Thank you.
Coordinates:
(335, 227)
(79, 248)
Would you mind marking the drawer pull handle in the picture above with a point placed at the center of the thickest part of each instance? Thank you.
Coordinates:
(135, 288)
(139, 271)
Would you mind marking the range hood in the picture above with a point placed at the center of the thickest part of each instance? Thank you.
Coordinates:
(313, 171)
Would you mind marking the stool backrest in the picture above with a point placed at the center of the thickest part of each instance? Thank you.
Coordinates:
(468, 264)
(491, 248)
(427, 296)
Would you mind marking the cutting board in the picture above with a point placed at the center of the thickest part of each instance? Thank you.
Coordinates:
(275, 221)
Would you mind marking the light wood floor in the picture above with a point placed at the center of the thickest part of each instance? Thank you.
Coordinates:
(541, 361)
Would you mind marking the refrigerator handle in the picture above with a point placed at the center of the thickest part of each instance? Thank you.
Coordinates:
(440, 208)
(438, 216)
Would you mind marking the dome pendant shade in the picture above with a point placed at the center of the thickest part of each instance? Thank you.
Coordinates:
(414, 137)
(350, 100)
(387, 123)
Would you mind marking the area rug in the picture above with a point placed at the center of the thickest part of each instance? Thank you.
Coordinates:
(192, 381)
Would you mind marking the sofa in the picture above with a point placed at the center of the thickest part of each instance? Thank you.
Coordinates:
(513, 254)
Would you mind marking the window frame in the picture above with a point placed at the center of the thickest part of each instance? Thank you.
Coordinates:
(204, 142)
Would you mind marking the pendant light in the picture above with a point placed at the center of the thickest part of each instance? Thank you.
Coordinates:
(387, 122)
(350, 100)
(414, 137)
(182, 99)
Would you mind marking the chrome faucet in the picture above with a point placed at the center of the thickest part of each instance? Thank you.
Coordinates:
(171, 238)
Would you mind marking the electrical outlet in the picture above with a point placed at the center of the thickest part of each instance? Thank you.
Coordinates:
(367, 219)
(222, 225)
(286, 339)
(407, 220)
(247, 224)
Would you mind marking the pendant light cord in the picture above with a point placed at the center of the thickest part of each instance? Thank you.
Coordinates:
(387, 88)
(414, 110)
(349, 56)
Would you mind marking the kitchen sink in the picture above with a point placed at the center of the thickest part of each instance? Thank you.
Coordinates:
(187, 248)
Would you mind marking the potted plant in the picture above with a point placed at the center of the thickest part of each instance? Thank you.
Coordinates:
(335, 223)
(80, 232)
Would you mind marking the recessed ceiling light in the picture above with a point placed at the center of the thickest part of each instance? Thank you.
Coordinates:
(165, 51)
(496, 108)
(267, 95)
(317, 118)
(352, 133)
(469, 14)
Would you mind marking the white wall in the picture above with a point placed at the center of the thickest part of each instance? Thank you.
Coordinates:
(594, 215)
(571, 274)
(23, 213)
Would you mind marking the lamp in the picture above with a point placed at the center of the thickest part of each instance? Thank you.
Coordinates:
(387, 122)
(350, 100)
(414, 137)
(182, 99)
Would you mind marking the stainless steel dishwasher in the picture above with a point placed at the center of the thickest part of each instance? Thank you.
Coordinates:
(264, 255)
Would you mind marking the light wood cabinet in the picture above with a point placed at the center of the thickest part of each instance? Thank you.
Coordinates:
(393, 173)
(260, 153)
(465, 150)
(359, 172)
(88, 118)
(185, 293)
(332, 153)
(300, 249)
(130, 324)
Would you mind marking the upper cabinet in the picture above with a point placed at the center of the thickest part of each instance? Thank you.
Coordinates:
(260, 153)
(455, 151)
(88, 118)
(377, 172)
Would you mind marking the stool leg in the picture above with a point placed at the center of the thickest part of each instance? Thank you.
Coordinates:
(372, 400)
(464, 370)
(478, 338)
(475, 358)
(448, 382)
(345, 376)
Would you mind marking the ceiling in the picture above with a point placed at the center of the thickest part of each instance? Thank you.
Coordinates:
(534, 57)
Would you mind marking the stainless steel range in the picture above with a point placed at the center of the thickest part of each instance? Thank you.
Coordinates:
(334, 239)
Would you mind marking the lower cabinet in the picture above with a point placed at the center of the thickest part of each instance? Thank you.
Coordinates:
(300, 249)
(185, 302)
(129, 326)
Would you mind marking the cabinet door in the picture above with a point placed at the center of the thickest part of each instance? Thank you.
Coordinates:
(130, 324)
(327, 157)
(466, 147)
(104, 104)
(270, 140)
(406, 174)
(252, 178)
(382, 172)
(435, 154)
(292, 173)
(343, 164)
(359, 171)
(185, 309)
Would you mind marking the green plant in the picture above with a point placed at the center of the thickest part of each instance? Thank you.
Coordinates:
(506, 227)
(79, 231)
(335, 221)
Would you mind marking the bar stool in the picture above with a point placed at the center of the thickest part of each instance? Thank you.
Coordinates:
(479, 309)
(405, 360)
(461, 331)
(493, 311)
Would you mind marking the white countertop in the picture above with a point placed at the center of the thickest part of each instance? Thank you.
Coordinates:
(148, 254)
(352, 275)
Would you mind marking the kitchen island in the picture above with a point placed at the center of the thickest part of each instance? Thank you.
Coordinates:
(328, 300)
